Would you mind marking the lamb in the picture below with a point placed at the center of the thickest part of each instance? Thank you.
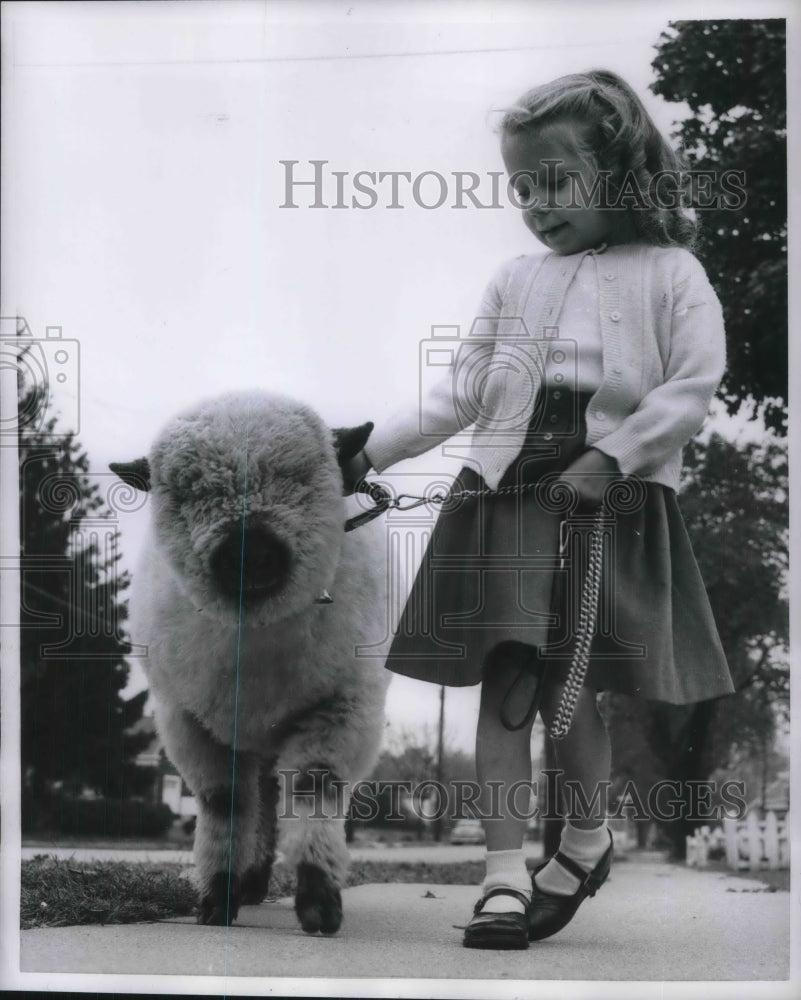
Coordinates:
(260, 680)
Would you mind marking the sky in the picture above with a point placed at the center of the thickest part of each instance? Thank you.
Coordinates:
(145, 203)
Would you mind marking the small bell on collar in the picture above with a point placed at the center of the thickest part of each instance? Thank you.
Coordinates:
(324, 598)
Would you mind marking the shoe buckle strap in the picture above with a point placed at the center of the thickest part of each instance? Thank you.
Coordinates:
(501, 891)
(589, 882)
(592, 884)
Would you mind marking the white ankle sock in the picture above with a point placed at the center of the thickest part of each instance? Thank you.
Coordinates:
(506, 869)
(585, 847)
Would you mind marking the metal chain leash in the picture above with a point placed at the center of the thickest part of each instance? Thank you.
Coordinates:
(588, 616)
(384, 501)
(379, 493)
(588, 607)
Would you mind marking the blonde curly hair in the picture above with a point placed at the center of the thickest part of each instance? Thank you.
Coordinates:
(619, 138)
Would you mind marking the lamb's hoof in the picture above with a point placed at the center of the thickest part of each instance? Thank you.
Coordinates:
(318, 902)
(255, 883)
(220, 905)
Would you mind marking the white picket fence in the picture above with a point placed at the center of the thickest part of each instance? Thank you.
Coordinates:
(750, 843)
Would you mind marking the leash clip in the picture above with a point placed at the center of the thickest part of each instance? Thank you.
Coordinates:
(416, 501)
(381, 499)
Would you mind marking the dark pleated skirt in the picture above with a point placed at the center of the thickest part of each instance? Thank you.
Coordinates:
(493, 574)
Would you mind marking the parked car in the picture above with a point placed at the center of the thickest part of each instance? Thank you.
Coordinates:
(467, 831)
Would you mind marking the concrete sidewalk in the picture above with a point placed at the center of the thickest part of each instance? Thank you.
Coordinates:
(651, 921)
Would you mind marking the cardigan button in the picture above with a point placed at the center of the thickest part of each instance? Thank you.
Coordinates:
(600, 414)
(618, 371)
(610, 276)
(614, 315)
(548, 436)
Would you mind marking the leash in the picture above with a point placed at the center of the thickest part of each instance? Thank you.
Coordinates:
(588, 607)
(384, 501)
(579, 664)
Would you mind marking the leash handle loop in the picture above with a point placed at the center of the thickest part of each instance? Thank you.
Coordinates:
(379, 496)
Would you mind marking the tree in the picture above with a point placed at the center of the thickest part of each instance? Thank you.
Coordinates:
(411, 756)
(635, 766)
(734, 503)
(409, 762)
(74, 719)
(732, 75)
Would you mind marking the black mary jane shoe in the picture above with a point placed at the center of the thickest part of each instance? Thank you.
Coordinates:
(498, 930)
(549, 913)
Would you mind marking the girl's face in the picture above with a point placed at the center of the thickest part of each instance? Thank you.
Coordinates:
(540, 164)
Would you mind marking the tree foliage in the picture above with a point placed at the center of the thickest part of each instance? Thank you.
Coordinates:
(73, 670)
(412, 756)
(732, 75)
(734, 503)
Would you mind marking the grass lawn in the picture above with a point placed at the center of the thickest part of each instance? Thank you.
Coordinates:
(60, 893)
(56, 893)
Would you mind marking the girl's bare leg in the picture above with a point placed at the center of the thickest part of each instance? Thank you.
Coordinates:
(584, 757)
(504, 759)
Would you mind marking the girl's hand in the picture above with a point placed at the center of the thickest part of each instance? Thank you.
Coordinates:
(589, 475)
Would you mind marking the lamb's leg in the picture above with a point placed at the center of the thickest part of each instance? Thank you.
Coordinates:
(316, 769)
(328, 749)
(316, 846)
(256, 879)
(225, 785)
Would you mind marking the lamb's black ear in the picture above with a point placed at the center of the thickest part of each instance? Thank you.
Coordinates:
(136, 474)
(349, 441)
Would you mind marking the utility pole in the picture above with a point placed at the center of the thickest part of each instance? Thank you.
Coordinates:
(438, 820)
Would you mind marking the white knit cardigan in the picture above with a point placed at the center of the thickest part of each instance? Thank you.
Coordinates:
(663, 347)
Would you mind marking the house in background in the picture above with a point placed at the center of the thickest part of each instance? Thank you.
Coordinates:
(776, 797)
(168, 786)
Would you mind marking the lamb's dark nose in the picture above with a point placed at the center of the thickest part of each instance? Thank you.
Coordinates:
(251, 563)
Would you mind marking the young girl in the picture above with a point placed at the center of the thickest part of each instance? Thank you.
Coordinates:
(589, 369)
